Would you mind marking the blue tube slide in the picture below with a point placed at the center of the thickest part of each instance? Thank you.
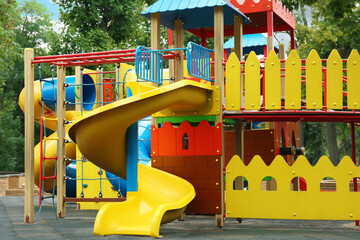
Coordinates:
(49, 91)
(144, 150)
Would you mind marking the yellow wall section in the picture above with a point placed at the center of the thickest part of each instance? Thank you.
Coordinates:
(233, 98)
(293, 81)
(353, 74)
(272, 82)
(252, 82)
(334, 81)
(285, 204)
(313, 81)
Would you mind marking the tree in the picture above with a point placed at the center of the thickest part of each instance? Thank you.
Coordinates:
(334, 8)
(110, 18)
(31, 28)
(329, 31)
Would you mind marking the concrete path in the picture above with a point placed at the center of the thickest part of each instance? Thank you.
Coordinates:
(79, 225)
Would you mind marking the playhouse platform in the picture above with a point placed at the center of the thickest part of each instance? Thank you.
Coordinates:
(79, 225)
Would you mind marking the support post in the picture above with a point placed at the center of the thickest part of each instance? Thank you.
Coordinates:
(29, 136)
(292, 36)
(155, 41)
(171, 45)
(78, 108)
(101, 86)
(239, 132)
(353, 151)
(219, 80)
(60, 114)
(282, 65)
(155, 31)
(179, 43)
(270, 31)
(203, 38)
(132, 157)
(119, 85)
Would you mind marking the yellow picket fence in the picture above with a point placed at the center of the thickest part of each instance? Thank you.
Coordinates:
(325, 83)
(283, 203)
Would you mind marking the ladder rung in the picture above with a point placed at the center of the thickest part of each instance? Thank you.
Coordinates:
(51, 138)
(50, 177)
(45, 80)
(46, 197)
(50, 158)
(50, 119)
(48, 100)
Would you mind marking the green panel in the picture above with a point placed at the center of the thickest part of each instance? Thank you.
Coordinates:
(180, 119)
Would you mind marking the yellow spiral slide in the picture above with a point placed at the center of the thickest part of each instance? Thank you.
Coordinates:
(101, 137)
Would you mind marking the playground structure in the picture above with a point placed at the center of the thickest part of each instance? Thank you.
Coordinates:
(198, 123)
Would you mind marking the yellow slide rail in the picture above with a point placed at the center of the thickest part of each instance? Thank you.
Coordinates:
(282, 203)
(326, 82)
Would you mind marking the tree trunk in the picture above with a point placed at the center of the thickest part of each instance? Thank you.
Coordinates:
(332, 143)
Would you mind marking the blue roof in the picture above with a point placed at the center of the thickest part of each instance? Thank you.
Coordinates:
(251, 42)
(193, 13)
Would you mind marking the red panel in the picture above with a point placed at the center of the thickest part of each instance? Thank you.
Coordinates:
(167, 135)
(154, 141)
(202, 140)
(218, 140)
(107, 91)
(185, 136)
(204, 136)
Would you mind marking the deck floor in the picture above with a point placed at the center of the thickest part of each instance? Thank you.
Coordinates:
(79, 225)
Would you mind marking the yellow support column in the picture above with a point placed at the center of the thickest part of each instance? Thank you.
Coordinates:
(293, 81)
(60, 176)
(353, 85)
(272, 82)
(252, 82)
(233, 95)
(179, 43)
(313, 81)
(29, 136)
(219, 80)
(334, 81)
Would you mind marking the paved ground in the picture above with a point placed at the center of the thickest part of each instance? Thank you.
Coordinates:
(79, 224)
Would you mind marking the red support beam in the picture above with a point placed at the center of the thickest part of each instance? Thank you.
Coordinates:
(292, 36)
(270, 23)
(296, 116)
(353, 151)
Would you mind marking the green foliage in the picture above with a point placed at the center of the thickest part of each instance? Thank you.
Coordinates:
(333, 8)
(31, 28)
(114, 18)
(327, 33)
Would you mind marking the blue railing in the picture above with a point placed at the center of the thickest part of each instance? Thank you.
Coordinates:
(199, 61)
(149, 65)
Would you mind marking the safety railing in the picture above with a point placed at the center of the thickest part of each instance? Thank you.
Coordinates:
(311, 84)
(149, 65)
(199, 61)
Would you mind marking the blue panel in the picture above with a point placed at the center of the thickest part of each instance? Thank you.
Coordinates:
(251, 42)
(173, 6)
(119, 184)
(166, 5)
(71, 183)
(192, 4)
(191, 11)
(132, 157)
(49, 91)
(184, 4)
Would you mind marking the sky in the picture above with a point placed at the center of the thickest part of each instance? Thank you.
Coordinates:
(52, 7)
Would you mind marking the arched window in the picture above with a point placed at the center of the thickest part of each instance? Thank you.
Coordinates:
(352, 185)
(328, 184)
(298, 184)
(240, 183)
(268, 184)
